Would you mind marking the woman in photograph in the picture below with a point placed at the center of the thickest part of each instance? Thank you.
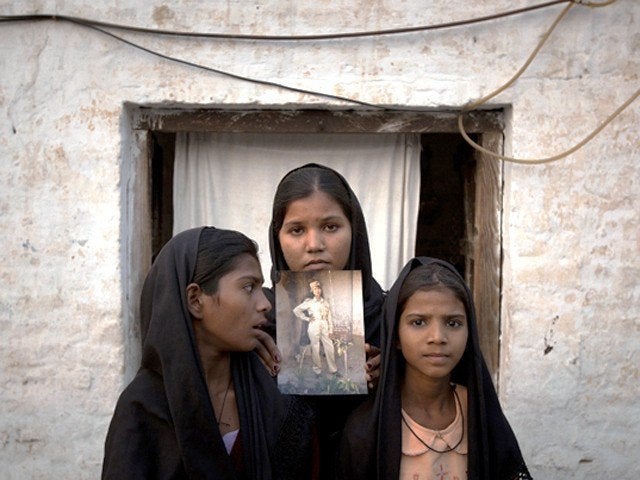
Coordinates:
(316, 311)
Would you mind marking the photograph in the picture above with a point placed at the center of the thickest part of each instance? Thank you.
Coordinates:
(320, 333)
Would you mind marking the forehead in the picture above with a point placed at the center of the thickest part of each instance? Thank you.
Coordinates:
(318, 205)
(245, 265)
(434, 301)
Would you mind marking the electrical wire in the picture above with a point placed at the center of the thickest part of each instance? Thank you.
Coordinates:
(472, 105)
(231, 74)
(315, 37)
(566, 153)
(537, 161)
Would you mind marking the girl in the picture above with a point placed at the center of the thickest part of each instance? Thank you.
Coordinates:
(435, 411)
(317, 224)
(202, 405)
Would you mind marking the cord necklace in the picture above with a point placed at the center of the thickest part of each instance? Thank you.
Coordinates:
(224, 400)
(426, 444)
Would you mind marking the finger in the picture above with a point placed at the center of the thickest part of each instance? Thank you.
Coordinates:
(267, 341)
(371, 350)
(374, 361)
(266, 358)
(268, 354)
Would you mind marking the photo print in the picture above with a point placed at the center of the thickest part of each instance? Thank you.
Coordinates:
(320, 332)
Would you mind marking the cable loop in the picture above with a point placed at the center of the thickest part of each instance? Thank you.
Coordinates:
(536, 161)
(586, 3)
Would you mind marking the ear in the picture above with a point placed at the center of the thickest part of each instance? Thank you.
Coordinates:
(194, 302)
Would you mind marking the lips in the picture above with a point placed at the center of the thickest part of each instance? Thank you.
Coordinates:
(317, 265)
(437, 358)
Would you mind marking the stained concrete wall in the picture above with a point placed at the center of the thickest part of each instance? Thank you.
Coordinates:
(570, 229)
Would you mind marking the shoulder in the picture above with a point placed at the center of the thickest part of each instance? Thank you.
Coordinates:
(141, 432)
(359, 420)
(145, 395)
(357, 444)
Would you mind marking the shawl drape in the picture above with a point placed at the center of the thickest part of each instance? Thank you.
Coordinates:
(371, 445)
(164, 425)
(332, 411)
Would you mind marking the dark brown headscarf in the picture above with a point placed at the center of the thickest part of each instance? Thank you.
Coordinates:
(371, 446)
(164, 425)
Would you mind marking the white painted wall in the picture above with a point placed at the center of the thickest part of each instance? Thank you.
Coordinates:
(571, 229)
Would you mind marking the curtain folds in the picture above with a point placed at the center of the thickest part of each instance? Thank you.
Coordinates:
(228, 180)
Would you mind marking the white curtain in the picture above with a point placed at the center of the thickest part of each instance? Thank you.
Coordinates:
(228, 180)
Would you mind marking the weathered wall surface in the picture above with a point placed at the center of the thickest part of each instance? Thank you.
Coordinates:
(571, 229)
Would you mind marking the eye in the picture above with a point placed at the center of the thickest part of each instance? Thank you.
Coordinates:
(331, 227)
(295, 230)
(455, 323)
(418, 322)
(249, 287)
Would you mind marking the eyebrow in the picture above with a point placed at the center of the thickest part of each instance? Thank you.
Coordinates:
(323, 219)
(253, 278)
(421, 315)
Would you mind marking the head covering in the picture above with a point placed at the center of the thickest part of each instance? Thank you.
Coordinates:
(374, 431)
(164, 425)
(359, 257)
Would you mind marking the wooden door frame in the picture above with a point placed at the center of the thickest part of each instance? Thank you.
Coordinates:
(483, 216)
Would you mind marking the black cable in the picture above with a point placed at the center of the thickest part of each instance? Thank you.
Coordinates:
(230, 36)
(231, 74)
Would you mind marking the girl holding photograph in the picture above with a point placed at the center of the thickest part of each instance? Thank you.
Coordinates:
(318, 224)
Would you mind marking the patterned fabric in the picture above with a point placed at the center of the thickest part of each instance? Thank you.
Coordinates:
(419, 462)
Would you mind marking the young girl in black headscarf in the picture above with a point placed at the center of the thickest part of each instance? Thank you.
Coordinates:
(435, 410)
(315, 201)
(317, 224)
(202, 405)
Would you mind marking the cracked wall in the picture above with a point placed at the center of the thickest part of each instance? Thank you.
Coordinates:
(571, 237)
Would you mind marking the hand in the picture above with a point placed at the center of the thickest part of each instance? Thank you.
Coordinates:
(268, 352)
(373, 365)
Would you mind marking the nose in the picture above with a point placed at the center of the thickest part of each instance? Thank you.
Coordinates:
(436, 333)
(264, 305)
(314, 240)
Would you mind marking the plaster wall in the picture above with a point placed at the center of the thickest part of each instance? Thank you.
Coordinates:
(569, 370)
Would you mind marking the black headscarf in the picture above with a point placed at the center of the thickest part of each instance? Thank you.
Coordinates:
(359, 258)
(164, 425)
(333, 410)
(371, 446)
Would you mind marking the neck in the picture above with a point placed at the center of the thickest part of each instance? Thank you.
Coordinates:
(216, 363)
(428, 401)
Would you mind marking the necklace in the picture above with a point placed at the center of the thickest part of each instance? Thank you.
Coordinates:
(224, 400)
(425, 443)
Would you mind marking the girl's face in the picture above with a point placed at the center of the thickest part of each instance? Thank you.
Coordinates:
(231, 316)
(315, 234)
(432, 333)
